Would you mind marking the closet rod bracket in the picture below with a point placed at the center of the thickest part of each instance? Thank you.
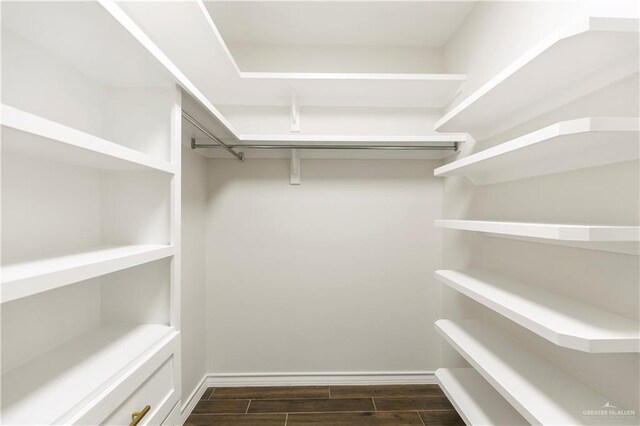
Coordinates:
(199, 126)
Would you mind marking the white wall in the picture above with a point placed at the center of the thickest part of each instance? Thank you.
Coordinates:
(194, 225)
(292, 58)
(334, 275)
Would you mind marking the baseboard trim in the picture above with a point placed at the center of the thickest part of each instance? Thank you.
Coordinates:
(192, 400)
(314, 379)
(302, 379)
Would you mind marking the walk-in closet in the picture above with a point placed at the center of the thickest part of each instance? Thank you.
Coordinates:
(314, 212)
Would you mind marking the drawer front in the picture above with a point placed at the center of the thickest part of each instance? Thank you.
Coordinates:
(157, 392)
(154, 380)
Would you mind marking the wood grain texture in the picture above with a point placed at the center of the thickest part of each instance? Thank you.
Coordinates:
(379, 405)
(441, 418)
(409, 403)
(311, 405)
(355, 419)
(236, 420)
(271, 392)
(221, 406)
(385, 391)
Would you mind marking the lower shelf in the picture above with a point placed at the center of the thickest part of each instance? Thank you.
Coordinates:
(619, 239)
(561, 320)
(475, 400)
(44, 390)
(28, 278)
(541, 392)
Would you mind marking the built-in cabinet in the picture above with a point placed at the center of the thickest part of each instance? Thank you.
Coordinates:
(91, 124)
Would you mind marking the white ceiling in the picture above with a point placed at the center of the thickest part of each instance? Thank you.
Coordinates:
(339, 23)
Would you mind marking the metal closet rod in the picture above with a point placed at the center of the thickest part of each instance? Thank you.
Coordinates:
(231, 148)
(341, 146)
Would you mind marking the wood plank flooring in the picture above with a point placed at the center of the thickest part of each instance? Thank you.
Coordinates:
(389, 405)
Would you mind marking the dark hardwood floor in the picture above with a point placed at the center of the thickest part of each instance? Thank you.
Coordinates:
(392, 405)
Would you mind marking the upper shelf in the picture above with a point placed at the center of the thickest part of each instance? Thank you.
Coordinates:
(543, 393)
(39, 137)
(475, 400)
(560, 320)
(127, 57)
(343, 89)
(174, 25)
(434, 139)
(105, 52)
(564, 146)
(564, 66)
(45, 389)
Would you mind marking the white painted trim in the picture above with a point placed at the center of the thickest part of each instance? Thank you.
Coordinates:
(192, 400)
(329, 378)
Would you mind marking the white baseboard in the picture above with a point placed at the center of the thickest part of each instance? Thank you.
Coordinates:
(302, 379)
(192, 400)
(314, 379)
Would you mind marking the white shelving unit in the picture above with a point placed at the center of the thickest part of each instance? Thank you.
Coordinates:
(221, 80)
(91, 132)
(547, 231)
(344, 89)
(573, 61)
(559, 319)
(445, 139)
(45, 389)
(29, 278)
(541, 392)
(573, 144)
(475, 400)
(29, 134)
(619, 239)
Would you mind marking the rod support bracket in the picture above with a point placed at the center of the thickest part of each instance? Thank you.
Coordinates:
(295, 167)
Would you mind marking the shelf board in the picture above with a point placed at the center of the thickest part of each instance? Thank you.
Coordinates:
(28, 278)
(559, 319)
(55, 26)
(35, 136)
(44, 389)
(551, 231)
(177, 24)
(344, 89)
(444, 139)
(87, 38)
(475, 400)
(541, 392)
(566, 65)
(563, 146)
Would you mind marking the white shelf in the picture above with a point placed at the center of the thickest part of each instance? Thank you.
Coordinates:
(475, 400)
(559, 319)
(102, 51)
(564, 146)
(343, 89)
(28, 278)
(443, 139)
(566, 65)
(177, 24)
(32, 135)
(551, 231)
(541, 392)
(45, 389)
